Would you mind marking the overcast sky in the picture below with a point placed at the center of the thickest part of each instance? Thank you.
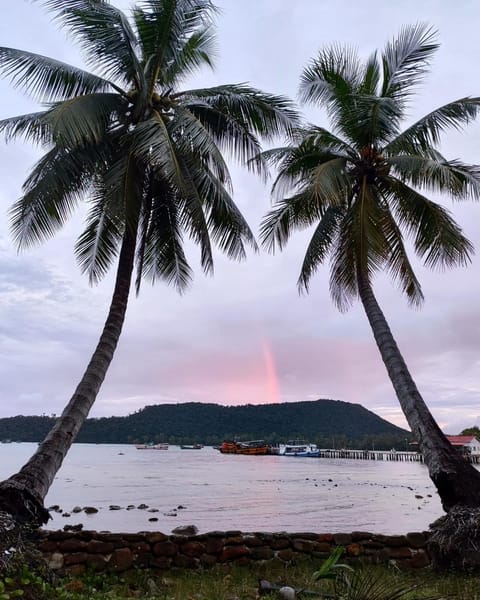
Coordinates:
(245, 336)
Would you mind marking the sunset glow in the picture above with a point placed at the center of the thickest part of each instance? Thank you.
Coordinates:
(271, 372)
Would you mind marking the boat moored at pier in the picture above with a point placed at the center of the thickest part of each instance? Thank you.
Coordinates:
(298, 448)
(151, 446)
(251, 448)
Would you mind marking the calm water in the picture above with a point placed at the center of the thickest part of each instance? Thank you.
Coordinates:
(222, 492)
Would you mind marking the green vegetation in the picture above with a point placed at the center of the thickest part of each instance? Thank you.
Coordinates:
(330, 423)
(228, 582)
(475, 430)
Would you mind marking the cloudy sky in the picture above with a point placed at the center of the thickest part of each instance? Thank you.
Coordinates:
(245, 335)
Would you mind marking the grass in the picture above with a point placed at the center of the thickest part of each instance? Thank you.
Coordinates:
(236, 583)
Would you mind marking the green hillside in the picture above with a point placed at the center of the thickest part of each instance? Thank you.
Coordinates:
(330, 423)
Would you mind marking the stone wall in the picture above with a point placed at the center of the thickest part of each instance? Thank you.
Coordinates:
(75, 552)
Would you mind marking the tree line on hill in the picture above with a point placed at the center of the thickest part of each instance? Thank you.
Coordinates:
(329, 423)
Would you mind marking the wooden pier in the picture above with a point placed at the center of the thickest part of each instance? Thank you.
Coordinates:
(394, 455)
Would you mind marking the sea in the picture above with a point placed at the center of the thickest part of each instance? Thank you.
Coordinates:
(222, 492)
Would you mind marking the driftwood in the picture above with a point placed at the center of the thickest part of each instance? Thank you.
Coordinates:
(265, 588)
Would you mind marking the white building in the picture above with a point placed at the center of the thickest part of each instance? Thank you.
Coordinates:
(467, 444)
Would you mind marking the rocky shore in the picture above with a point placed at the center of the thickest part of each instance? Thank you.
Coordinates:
(74, 552)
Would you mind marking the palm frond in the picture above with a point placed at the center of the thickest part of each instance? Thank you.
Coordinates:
(46, 79)
(329, 142)
(332, 77)
(344, 262)
(338, 81)
(31, 126)
(198, 50)
(123, 181)
(104, 34)
(420, 137)
(228, 228)
(231, 136)
(84, 119)
(265, 115)
(192, 217)
(98, 245)
(405, 60)
(376, 120)
(320, 245)
(192, 137)
(51, 193)
(453, 177)
(370, 77)
(365, 583)
(397, 262)
(162, 255)
(437, 238)
(311, 165)
(154, 144)
(164, 28)
(288, 214)
(362, 245)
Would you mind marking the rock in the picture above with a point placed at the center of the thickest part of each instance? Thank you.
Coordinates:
(193, 549)
(78, 527)
(121, 560)
(153, 589)
(90, 510)
(233, 552)
(99, 547)
(165, 549)
(56, 561)
(185, 530)
(287, 593)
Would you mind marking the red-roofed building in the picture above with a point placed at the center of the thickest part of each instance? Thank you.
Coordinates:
(467, 444)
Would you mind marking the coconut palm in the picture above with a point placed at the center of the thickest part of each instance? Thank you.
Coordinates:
(147, 157)
(362, 185)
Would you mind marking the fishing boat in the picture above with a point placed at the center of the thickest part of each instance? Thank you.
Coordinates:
(251, 448)
(191, 446)
(298, 448)
(151, 446)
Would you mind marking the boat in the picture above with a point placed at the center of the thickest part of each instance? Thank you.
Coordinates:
(151, 446)
(191, 446)
(298, 448)
(251, 448)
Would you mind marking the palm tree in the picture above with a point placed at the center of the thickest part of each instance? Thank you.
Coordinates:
(147, 157)
(363, 186)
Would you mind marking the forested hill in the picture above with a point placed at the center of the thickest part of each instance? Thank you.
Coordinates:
(331, 423)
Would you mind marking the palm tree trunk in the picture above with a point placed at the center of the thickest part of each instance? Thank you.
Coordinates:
(22, 494)
(457, 481)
